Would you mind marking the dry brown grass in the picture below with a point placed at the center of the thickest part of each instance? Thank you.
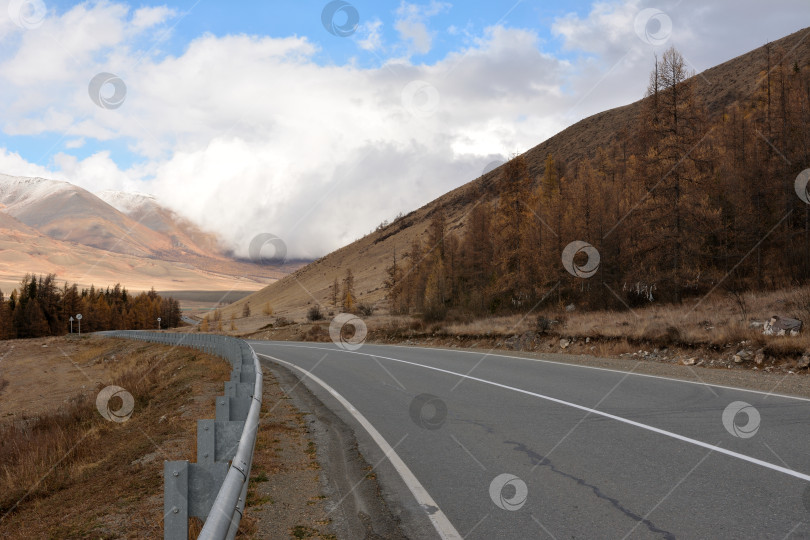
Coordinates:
(71, 473)
(715, 321)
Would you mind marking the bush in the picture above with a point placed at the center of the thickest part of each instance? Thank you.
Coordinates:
(365, 309)
(314, 313)
(543, 324)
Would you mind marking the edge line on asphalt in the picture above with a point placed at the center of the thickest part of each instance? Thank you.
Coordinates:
(438, 518)
(565, 364)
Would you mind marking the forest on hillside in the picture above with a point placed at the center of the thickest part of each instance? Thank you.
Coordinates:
(686, 204)
(39, 307)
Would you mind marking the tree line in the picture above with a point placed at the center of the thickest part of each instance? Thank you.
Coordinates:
(40, 307)
(682, 205)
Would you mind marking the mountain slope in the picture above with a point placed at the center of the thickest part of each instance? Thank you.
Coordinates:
(368, 257)
(146, 210)
(50, 226)
(69, 213)
(23, 250)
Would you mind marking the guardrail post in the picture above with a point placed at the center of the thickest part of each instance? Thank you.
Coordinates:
(175, 500)
(232, 408)
(217, 441)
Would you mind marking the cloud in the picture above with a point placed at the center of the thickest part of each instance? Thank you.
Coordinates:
(75, 143)
(248, 134)
(412, 26)
(369, 35)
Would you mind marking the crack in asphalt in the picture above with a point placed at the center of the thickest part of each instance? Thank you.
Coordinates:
(543, 461)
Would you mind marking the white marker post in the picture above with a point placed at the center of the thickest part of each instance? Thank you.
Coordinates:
(71, 325)
(79, 318)
(158, 323)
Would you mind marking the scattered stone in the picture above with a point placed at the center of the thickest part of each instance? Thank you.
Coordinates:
(570, 307)
(782, 326)
(804, 361)
(759, 357)
(743, 356)
(690, 361)
(564, 343)
(587, 340)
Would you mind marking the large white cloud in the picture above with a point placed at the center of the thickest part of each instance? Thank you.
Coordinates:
(249, 134)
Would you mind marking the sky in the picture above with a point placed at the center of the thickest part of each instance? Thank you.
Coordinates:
(315, 121)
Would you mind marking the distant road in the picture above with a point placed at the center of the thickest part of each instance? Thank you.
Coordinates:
(602, 454)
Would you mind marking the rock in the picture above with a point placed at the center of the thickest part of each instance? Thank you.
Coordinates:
(803, 362)
(570, 307)
(743, 356)
(564, 343)
(782, 326)
(690, 361)
(759, 357)
(587, 340)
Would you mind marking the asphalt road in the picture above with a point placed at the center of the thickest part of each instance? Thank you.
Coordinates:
(593, 453)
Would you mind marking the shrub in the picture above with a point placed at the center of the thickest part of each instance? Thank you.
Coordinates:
(365, 309)
(543, 324)
(315, 313)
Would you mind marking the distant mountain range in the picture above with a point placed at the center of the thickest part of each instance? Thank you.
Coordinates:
(51, 226)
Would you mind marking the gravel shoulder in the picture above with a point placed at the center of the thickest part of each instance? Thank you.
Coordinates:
(317, 483)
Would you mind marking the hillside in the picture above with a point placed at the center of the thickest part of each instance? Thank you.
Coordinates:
(718, 88)
(69, 213)
(51, 226)
(23, 250)
(185, 237)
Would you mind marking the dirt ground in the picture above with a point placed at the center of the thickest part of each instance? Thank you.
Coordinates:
(285, 498)
(42, 374)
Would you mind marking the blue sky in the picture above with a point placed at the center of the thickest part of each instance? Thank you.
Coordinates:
(260, 97)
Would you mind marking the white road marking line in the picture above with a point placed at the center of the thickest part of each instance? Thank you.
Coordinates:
(565, 364)
(699, 383)
(653, 429)
(439, 520)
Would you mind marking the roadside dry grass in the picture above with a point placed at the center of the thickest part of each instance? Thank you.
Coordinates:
(714, 327)
(69, 473)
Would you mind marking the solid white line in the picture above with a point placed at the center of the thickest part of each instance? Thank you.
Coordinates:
(439, 520)
(699, 383)
(670, 434)
(635, 374)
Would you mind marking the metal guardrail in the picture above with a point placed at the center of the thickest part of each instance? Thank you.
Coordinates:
(214, 488)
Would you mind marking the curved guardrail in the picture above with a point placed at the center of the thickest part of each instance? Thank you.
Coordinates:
(215, 487)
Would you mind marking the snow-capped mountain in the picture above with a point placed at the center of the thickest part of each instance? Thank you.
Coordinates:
(52, 226)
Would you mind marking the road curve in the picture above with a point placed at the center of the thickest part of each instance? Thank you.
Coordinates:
(519, 448)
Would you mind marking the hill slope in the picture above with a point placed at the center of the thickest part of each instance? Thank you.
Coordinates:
(51, 226)
(717, 88)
